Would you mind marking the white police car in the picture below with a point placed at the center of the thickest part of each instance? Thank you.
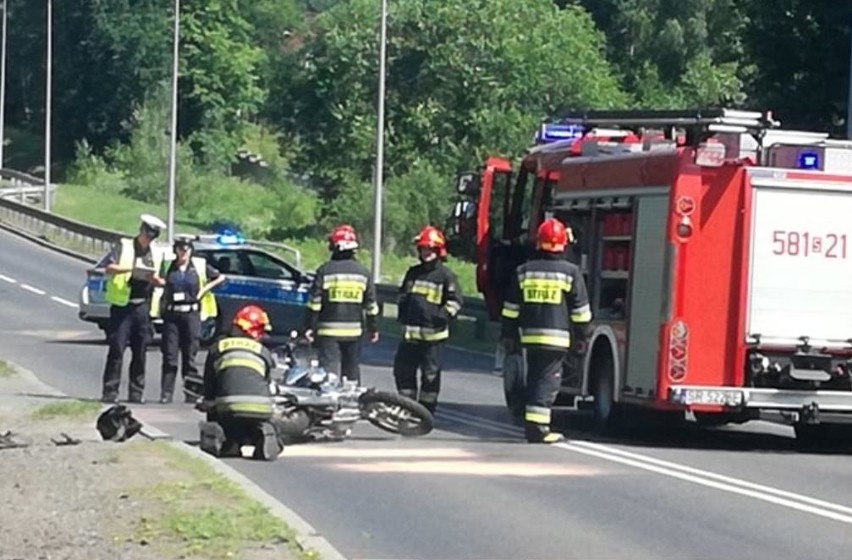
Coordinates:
(255, 276)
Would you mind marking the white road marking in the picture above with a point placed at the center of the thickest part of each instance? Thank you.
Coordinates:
(792, 500)
(7, 279)
(29, 288)
(63, 301)
(766, 497)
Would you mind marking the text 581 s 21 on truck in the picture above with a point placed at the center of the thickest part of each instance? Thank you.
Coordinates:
(717, 248)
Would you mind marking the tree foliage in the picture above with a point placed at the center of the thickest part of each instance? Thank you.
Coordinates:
(296, 81)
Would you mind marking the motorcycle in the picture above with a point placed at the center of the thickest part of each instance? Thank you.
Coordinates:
(312, 403)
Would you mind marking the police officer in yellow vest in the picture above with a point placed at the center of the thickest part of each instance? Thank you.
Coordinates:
(130, 269)
(186, 302)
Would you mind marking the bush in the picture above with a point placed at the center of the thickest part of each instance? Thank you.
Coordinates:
(91, 170)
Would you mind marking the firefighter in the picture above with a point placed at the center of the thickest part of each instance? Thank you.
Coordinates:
(187, 301)
(130, 268)
(429, 298)
(237, 395)
(341, 294)
(547, 304)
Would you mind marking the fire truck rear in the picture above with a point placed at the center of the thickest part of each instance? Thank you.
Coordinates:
(717, 249)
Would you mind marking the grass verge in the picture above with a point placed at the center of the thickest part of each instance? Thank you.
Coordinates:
(6, 370)
(68, 409)
(204, 514)
(120, 213)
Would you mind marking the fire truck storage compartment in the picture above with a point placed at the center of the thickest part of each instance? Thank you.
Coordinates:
(614, 235)
(648, 284)
(800, 271)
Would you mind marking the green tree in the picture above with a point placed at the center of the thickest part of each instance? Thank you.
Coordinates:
(675, 53)
(464, 78)
(800, 52)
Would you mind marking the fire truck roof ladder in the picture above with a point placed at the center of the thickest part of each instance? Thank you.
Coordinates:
(697, 124)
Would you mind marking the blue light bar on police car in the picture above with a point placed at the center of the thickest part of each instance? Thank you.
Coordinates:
(554, 132)
(228, 235)
(809, 160)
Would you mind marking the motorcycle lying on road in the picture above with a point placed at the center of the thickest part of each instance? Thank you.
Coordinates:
(312, 403)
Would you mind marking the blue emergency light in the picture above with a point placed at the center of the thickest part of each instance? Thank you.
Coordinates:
(554, 132)
(227, 234)
(809, 160)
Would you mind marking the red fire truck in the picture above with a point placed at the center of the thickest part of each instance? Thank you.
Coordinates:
(717, 249)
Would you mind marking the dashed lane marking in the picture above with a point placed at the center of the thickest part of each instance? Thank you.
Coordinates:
(8, 279)
(63, 301)
(32, 289)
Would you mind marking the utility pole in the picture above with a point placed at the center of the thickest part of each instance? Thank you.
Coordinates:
(380, 150)
(3, 84)
(173, 142)
(48, 103)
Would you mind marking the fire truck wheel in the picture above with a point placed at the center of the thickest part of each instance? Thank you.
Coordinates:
(823, 436)
(606, 413)
(514, 383)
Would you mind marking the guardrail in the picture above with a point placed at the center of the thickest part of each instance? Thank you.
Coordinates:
(96, 242)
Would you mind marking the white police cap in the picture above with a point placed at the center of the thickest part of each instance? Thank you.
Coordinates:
(152, 221)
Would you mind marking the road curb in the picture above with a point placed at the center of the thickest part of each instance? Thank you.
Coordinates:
(47, 244)
(306, 536)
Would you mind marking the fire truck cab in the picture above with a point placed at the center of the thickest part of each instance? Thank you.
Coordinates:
(717, 249)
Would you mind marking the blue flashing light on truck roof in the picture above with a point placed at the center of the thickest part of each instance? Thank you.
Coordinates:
(809, 160)
(554, 132)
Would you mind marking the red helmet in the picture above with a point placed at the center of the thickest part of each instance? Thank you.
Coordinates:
(553, 236)
(253, 321)
(343, 238)
(432, 238)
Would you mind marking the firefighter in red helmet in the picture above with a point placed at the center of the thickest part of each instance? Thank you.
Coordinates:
(548, 306)
(237, 398)
(341, 296)
(428, 299)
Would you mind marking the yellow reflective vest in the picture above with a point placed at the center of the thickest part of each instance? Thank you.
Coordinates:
(118, 285)
(208, 302)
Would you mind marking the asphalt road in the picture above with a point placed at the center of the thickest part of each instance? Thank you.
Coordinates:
(472, 489)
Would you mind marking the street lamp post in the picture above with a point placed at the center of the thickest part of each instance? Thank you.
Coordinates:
(380, 149)
(3, 84)
(173, 147)
(48, 103)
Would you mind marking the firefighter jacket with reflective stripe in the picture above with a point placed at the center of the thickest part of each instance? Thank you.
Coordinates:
(546, 298)
(236, 378)
(428, 298)
(342, 293)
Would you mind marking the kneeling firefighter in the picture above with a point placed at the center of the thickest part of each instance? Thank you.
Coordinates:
(237, 397)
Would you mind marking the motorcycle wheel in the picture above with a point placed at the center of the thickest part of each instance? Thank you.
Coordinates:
(396, 414)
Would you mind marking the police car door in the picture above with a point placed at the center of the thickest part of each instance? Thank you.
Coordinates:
(263, 279)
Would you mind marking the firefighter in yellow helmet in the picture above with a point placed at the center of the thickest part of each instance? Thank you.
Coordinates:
(548, 306)
(428, 299)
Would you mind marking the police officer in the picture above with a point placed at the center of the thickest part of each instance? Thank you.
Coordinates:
(237, 397)
(341, 294)
(130, 268)
(429, 298)
(187, 301)
(548, 303)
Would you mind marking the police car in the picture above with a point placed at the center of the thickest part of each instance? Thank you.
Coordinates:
(255, 276)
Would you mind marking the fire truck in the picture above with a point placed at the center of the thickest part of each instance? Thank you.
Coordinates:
(717, 250)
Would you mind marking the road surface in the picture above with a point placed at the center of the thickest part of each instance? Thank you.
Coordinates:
(472, 489)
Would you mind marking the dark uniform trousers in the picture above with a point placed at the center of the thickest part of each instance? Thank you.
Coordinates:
(544, 377)
(181, 333)
(427, 357)
(128, 326)
(340, 354)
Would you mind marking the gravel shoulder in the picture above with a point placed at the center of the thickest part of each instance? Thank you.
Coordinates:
(137, 500)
